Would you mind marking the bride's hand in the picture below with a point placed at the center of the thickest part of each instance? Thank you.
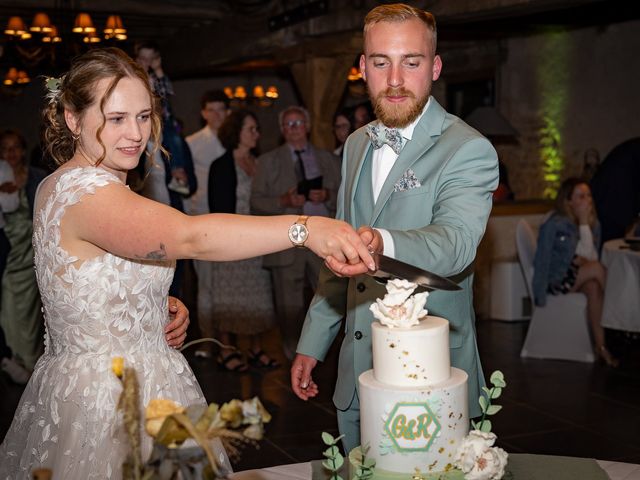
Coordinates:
(340, 245)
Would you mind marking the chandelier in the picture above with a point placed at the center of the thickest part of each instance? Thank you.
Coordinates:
(259, 95)
(41, 47)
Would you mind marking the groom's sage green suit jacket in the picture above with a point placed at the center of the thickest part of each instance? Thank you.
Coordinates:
(436, 223)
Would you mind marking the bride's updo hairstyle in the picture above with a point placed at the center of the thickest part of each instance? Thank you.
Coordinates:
(76, 92)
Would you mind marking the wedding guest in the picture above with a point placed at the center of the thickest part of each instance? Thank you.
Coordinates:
(20, 314)
(342, 128)
(566, 258)
(296, 178)
(104, 261)
(9, 202)
(205, 147)
(362, 115)
(229, 190)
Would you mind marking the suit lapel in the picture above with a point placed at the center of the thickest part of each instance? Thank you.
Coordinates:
(354, 168)
(424, 136)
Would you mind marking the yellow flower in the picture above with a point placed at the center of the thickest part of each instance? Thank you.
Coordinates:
(231, 413)
(156, 413)
(117, 365)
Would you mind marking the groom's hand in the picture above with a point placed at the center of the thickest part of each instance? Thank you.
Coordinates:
(301, 382)
(371, 238)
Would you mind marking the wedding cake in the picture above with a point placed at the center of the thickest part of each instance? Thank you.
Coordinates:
(413, 404)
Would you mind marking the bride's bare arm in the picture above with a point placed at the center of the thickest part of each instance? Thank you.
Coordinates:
(126, 224)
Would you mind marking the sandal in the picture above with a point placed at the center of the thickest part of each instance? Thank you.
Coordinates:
(261, 360)
(239, 367)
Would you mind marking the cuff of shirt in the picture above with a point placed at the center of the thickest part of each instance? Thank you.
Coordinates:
(389, 247)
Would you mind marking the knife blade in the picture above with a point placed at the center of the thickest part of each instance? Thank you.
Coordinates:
(391, 268)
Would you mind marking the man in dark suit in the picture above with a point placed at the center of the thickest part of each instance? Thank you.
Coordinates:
(295, 178)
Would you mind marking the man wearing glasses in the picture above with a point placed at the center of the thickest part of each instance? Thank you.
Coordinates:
(295, 178)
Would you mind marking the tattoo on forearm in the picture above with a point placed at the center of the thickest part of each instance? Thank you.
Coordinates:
(160, 254)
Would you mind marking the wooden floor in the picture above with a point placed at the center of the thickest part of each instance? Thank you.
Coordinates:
(550, 407)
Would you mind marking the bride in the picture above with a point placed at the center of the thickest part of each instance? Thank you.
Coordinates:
(104, 259)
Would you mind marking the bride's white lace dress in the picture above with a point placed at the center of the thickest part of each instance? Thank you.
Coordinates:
(67, 419)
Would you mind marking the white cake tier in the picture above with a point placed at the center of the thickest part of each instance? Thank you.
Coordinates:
(412, 357)
(413, 427)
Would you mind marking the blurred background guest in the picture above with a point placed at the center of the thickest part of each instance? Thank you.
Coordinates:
(294, 178)
(566, 258)
(205, 147)
(342, 128)
(616, 189)
(9, 202)
(181, 177)
(362, 114)
(20, 314)
(241, 293)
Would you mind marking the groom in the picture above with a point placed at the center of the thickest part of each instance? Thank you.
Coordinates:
(423, 180)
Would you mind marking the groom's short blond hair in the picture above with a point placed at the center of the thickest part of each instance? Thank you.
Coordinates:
(400, 12)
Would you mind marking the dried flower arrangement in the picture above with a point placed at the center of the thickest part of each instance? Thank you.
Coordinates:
(192, 441)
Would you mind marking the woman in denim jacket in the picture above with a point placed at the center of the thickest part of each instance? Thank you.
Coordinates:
(567, 257)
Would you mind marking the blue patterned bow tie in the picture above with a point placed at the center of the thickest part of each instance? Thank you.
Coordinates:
(380, 135)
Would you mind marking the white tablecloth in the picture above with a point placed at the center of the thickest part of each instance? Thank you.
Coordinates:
(621, 309)
(302, 471)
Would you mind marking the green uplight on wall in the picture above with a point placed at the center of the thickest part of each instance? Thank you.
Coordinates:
(553, 84)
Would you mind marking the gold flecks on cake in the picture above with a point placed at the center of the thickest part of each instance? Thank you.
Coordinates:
(433, 465)
(460, 416)
(441, 449)
(405, 352)
(392, 345)
(450, 414)
(448, 467)
(412, 375)
(452, 442)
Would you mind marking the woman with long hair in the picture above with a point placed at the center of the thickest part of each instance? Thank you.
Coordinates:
(566, 258)
(104, 260)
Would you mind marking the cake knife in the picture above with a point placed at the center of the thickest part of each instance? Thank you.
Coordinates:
(391, 268)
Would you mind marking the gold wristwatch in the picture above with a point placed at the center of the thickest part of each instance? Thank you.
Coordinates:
(298, 232)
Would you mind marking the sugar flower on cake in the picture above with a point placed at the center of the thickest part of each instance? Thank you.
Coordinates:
(399, 308)
(479, 459)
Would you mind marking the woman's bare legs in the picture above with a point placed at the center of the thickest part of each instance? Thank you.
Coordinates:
(591, 281)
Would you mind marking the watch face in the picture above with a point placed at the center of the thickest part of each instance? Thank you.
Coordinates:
(298, 234)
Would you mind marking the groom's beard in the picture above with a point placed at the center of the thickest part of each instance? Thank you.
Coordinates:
(398, 115)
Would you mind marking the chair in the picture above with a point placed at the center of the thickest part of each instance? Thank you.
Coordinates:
(560, 329)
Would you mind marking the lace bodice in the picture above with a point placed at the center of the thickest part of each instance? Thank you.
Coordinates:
(94, 309)
(101, 304)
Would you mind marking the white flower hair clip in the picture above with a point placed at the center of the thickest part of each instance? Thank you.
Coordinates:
(53, 88)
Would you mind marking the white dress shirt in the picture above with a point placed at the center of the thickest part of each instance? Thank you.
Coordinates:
(383, 160)
(8, 201)
(205, 148)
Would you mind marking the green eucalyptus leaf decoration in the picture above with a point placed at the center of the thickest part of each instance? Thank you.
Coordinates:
(489, 394)
(334, 460)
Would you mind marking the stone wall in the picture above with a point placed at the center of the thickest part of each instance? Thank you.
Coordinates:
(592, 75)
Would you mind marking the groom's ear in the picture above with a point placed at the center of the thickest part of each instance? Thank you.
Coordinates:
(437, 68)
(363, 65)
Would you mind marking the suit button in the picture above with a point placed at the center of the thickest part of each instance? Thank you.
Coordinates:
(361, 287)
(358, 333)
